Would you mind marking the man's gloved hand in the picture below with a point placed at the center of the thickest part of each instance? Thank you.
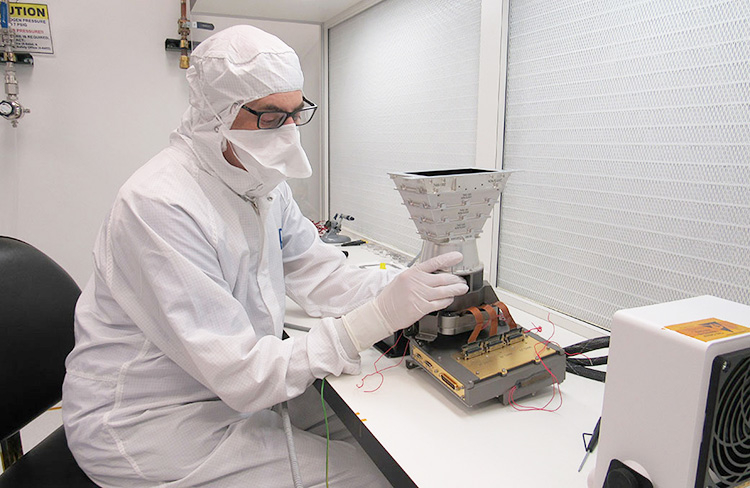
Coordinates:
(409, 297)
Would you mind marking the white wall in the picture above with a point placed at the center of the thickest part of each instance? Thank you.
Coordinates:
(101, 106)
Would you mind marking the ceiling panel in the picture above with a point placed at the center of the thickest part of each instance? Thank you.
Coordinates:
(315, 11)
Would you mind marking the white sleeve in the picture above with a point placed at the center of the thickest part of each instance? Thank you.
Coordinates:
(163, 271)
(317, 275)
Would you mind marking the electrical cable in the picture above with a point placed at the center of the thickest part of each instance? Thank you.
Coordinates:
(493, 318)
(556, 383)
(599, 361)
(581, 367)
(290, 446)
(380, 371)
(328, 433)
(588, 345)
(480, 324)
(585, 372)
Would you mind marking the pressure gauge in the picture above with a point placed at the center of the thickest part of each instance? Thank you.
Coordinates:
(6, 108)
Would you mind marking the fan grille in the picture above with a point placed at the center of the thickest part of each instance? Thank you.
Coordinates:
(728, 457)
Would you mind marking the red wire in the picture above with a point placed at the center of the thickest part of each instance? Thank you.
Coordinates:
(550, 341)
(555, 385)
(517, 406)
(571, 354)
(320, 225)
(380, 371)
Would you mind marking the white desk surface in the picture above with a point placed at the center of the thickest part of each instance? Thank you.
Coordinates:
(439, 442)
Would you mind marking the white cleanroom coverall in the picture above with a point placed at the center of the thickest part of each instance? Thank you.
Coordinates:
(178, 355)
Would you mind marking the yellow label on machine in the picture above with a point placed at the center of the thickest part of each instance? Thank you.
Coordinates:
(709, 329)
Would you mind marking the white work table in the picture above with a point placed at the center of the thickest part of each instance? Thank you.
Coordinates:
(438, 441)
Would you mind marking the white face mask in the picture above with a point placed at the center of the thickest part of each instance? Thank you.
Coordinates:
(271, 156)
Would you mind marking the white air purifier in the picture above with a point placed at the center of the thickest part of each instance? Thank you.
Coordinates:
(677, 397)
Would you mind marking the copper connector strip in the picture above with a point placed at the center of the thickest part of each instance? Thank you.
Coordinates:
(480, 323)
(493, 318)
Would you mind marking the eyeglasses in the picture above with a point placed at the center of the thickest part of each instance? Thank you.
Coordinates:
(274, 120)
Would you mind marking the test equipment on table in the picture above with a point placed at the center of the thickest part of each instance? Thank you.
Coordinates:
(473, 347)
(677, 398)
(333, 227)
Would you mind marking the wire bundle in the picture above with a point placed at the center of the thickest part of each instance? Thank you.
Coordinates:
(583, 366)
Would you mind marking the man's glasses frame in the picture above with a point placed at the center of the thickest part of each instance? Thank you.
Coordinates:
(279, 118)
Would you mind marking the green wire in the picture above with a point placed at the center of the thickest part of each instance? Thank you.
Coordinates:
(325, 416)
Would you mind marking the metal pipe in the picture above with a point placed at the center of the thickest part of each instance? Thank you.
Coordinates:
(183, 28)
(10, 108)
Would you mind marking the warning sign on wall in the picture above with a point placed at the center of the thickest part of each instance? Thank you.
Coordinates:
(30, 22)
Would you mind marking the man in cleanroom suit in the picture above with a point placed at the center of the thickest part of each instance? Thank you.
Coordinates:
(179, 360)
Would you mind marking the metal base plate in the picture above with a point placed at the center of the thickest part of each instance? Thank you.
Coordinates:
(519, 366)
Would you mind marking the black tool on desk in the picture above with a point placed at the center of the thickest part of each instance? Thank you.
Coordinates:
(354, 243)
(593, 441)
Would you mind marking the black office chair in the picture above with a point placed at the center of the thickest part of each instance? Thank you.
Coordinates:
(37, 300)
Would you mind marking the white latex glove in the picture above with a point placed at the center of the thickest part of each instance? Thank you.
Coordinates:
(409, 297)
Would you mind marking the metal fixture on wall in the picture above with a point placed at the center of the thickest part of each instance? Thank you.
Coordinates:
(10, 108)
(184, 30)
(184, 44)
